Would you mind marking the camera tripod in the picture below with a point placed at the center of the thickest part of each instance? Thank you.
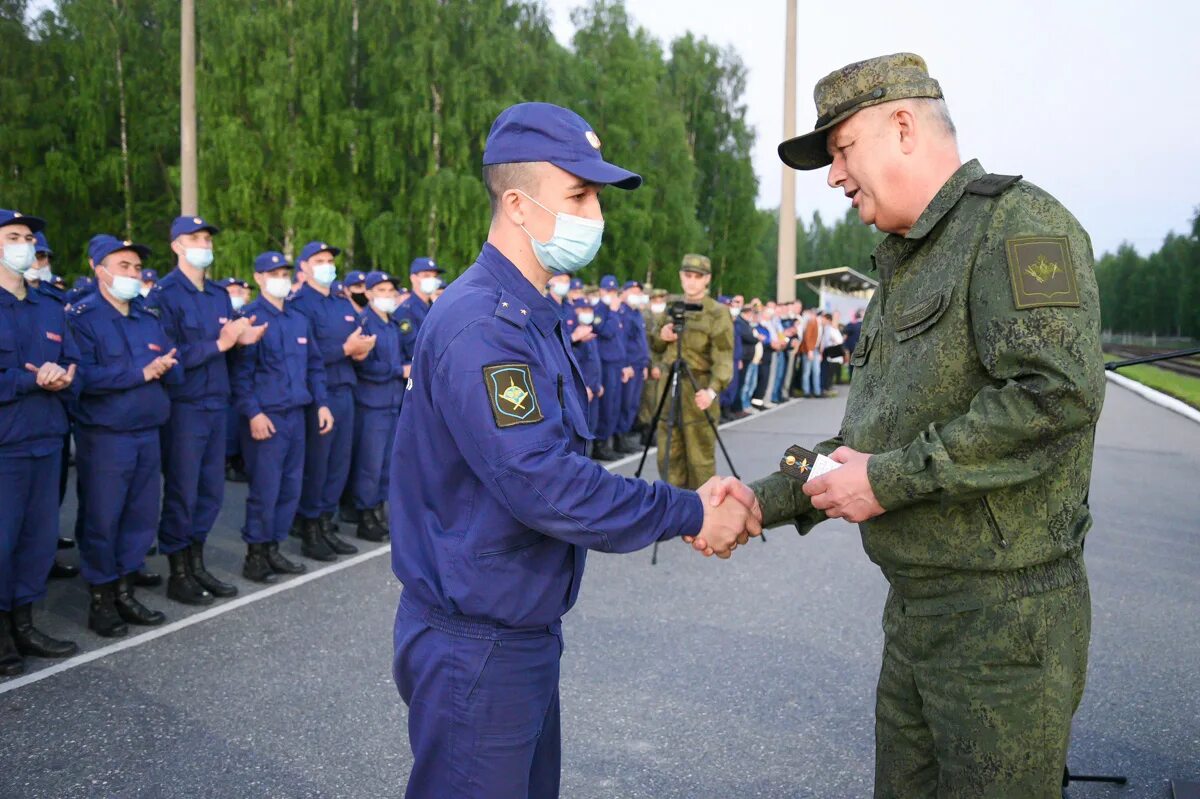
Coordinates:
(679, 369)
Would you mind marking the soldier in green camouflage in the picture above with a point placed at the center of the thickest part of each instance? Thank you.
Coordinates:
(966, 445)
(708, 352)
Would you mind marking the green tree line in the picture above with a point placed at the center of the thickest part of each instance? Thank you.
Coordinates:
(363, 123)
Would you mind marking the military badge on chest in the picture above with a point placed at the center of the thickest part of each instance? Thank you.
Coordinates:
(511, 393)
(1041, 272)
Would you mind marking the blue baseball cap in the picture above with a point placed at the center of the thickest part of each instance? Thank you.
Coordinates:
(271, 259)
(337, 286)
(40, 245)
(191, 224)
(576, 284)
(17, 218)
(375, 278)
(314, 247)
(149, 275)
(103, 245)
(424, 265)
(83, 282)
(354, 278)
(631, 284)
(609, 282)
(580, 303)
(544, 132)
(226, 282)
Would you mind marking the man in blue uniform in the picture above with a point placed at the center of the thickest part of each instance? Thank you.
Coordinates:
(125, 359)
(609, 326)
(637, 352)
(199, 320)
(728, 399)
(80, 288)
(235, 470)
(424, 275)
(355, 286)
(497, 506)
(376, 406)
(340, 341)
(149, 281)
(38, 359)
(40, 276)
(587, 355)
(274, 381)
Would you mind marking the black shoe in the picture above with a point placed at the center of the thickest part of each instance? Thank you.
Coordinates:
(338, 544)
(103, 618)
(603, 451)
(256, 568)
(144, 578)
(203, 576)
(628, 444)
(181, 586)
(66, 543)
(281, 565)
(235, 471)
(63, 571)
(328, 525)
(312, 543)
(132, 611)
(32, 642)
(370, 528)
(11, 662)
(349, 514)
(297, 525)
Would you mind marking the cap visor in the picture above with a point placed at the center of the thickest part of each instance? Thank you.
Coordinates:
(598, 171)
(807, 151)
(34, 223)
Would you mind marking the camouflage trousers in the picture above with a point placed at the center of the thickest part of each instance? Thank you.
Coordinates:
(649, 402)
(693, 453)
(979, 703)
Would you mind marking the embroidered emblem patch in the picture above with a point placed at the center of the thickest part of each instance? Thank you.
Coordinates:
(405, 326)
(1041, 273)
(55, 337)
(154, 347)
(510, 391)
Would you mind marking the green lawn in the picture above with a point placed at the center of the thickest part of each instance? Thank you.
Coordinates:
(1179, 386)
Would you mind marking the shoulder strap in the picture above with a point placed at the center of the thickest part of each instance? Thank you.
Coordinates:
(992, 185)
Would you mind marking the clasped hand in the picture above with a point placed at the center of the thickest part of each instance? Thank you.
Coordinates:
(731, 517)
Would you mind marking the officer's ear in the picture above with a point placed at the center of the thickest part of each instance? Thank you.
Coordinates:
(510, 207)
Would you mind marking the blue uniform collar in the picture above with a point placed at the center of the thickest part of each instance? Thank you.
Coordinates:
(31, 295)
(175, 276)
(541, 309)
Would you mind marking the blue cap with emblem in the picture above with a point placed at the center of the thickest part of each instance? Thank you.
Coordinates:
(337, 286)
(354, 278)
(17, 218)
(314, 247)
(271, 259)
(40, 245)
(424, 265)
(375, 278)
(576, 284)
(631, 284)
(191, 224)
(103, 245)
(83, 282)
(724, 299)
(544, 132)
(226, 282)
(609, 283)
(149, 276)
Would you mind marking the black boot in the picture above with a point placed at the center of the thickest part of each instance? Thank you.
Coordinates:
(133, 611)
(63, 571)
(349, 514)
(313, 543)
(235, 472)
(369, 526)
(256, 567)
(328, 525)
(281, 565)
(144, 578)
(202, 575)
(31, 641)
(181, 586)
(604, 451)
(297, 526)
(103, 618)
(11, 662)
(629, 444)
(338, 544)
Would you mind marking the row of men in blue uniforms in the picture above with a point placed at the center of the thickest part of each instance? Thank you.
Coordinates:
(145, 375)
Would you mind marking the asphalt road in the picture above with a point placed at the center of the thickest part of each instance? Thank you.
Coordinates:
(693, 678)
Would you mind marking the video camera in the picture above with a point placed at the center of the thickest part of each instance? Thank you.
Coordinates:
(679, 310)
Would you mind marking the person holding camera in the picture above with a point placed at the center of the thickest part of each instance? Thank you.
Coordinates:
(707, 349)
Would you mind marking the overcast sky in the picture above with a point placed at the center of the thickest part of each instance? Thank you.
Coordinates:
(1097, 102)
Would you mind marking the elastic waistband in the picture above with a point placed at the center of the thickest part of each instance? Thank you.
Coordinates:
(468, 627)
(974, 590)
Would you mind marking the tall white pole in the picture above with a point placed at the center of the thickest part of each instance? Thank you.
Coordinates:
(785, 289)
(189, 203)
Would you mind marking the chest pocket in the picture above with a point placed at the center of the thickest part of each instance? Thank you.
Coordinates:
(8, 348)
(862, 350)
(113, 346)
(922, 315)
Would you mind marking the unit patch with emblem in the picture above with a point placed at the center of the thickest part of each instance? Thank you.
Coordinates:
(511, 394)
(1041, 272)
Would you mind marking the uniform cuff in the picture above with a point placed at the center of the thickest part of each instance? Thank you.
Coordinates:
(892, 480)
(691, 514)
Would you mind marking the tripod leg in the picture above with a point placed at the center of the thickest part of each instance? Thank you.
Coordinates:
(672, 416)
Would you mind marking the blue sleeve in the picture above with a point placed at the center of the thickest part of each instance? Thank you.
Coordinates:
(530, 467)
(191, 354)
(97, 378)
(316, 372)
(242, 379)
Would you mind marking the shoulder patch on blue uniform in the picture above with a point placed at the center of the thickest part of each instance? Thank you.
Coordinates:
(1041, 272)
(405, 326)
(511, 394)
(512, 310)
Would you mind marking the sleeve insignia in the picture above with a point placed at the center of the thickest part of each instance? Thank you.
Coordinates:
(1041, 272)
(511, 393)
(405, 326)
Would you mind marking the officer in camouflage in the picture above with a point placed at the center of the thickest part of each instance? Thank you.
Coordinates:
(708, 352)
(967, 442)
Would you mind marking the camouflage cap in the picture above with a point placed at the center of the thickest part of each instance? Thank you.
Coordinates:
(658, 293)
(696, 263)
(852, 88)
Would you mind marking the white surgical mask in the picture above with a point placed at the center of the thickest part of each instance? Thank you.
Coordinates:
(144, 291)
(19, 257)
(734, 312)
(237, 302)
(572, 246)
(594, 301)
(560, 289)
(42, 274)
(124, 288)
(199, 257)
(385, 305)
(279, 287)
(428, 285)
(324, 273)
(658, 307)
(586, 318)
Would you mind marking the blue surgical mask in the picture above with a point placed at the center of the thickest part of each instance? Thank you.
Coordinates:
(575, 242)
(124, 288)
(19, 257)
(325, 273)
(199, 257)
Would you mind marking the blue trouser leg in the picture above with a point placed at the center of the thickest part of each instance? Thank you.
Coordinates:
(233, 440)
(375, 428)
(193, 462)
(293, 469)
(781, 377)
(811, 379)
(327, 457)
(118, 476)
(483, 715)
(610, 403)
(274, 466)
(28, 526)
(749, 384)
(594, 416)
(631, 401)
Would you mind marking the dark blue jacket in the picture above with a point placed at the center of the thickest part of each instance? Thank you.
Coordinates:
(192, 319)
(637, 348)
(283, 370)
(409, 316)
(587, 355)
(494, 504)
(381, 374)
(113, 351)
(610, 335)
(333, 319)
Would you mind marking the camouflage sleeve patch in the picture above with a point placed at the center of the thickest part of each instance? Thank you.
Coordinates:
(511, 394)
(1041, 272)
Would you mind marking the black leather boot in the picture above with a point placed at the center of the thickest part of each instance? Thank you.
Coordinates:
(32, 642)
(628, 444)
(63, 571)
(11, 662)
(281, 565)
(313, 544)
(103, 618)
(133, 611)
(297, 524)
(144, 578)
(328, 525)
(369, 527)
(256, 567)
(338, 544)
(181, 586)
(603, 451)
(201, 575)
(349, 514)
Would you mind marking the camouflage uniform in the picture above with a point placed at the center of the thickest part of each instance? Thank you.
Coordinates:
(650, 395)
(978, 382)
(708, 352)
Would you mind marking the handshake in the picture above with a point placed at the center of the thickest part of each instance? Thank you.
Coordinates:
(731, 516)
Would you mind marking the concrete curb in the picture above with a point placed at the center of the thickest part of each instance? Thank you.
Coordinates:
(1157, 397)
